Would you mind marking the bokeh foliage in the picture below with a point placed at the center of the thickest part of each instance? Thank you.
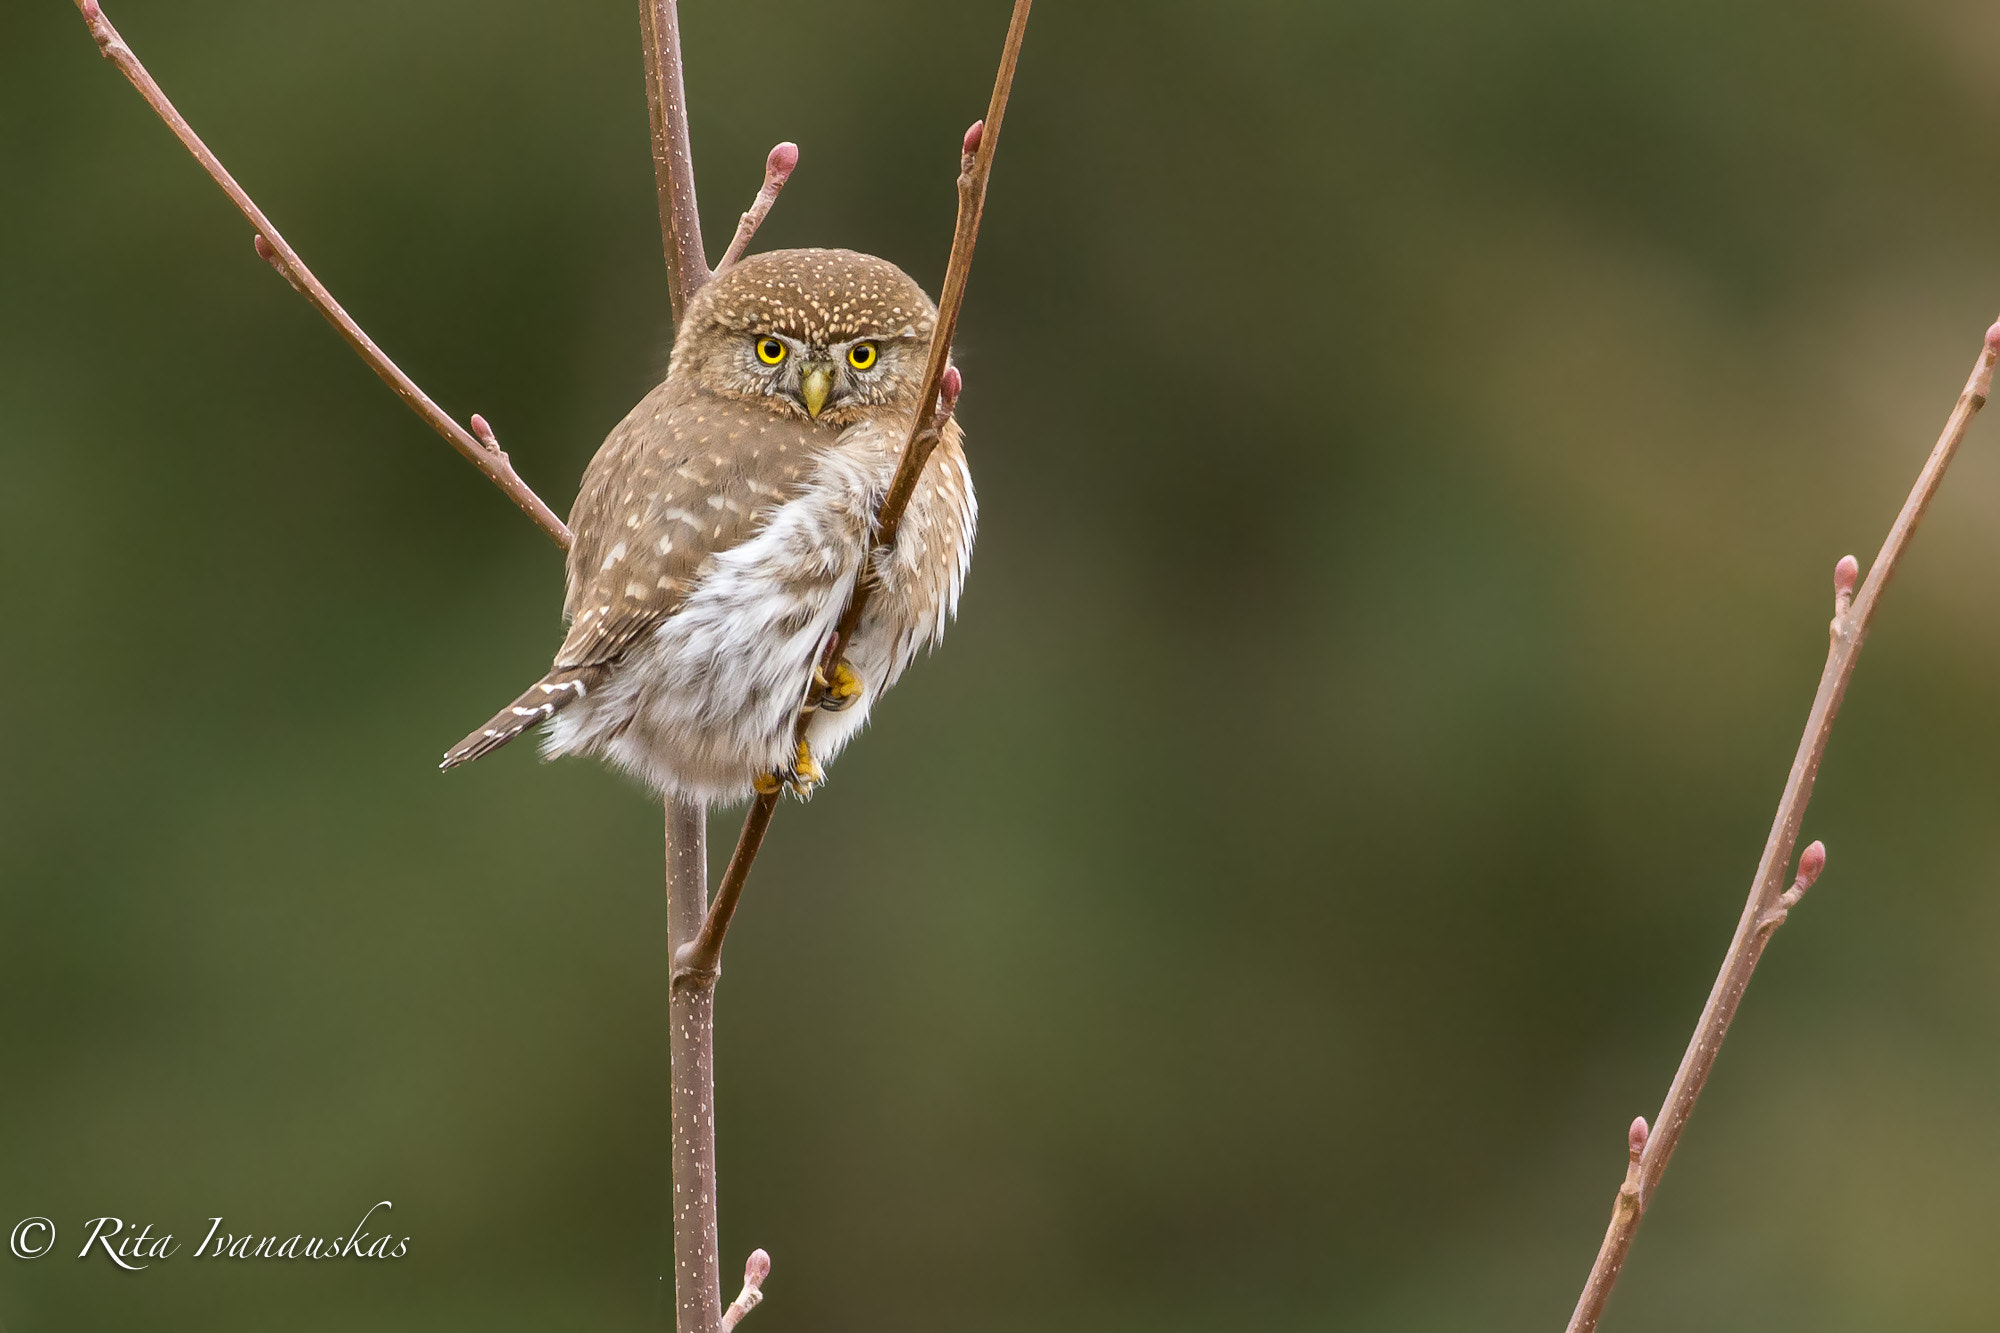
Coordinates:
(1414, 441)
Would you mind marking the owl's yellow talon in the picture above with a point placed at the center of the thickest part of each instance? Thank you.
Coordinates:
(842, 690)
(805, 774)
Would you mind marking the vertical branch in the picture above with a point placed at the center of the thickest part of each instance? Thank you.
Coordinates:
(691, 1044)
(697, 1243)
(673, 160)
(690, 1009)
(1767, 906)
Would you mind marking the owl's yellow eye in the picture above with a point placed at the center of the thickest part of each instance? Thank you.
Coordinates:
(861, 356)
(770, 351)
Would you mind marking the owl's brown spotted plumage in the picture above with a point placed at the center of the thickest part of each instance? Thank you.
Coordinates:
(720, 528)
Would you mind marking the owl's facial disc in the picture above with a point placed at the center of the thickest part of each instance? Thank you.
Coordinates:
(821, 377)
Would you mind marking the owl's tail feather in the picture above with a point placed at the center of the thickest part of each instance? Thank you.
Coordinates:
(542, 701)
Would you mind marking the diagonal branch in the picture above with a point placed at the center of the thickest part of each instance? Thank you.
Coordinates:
(1767, 906)
(482, 452)
(698, 961)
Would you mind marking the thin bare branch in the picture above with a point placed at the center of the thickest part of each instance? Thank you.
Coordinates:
(271, 245)
(778, 168)
(755, 1270)
(697, 1241)
(673, 160)
(1767, 905)
(1624, 1217)
(699, 961)
(935, 402)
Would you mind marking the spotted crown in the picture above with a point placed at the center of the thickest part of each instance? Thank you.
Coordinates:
(820, 296)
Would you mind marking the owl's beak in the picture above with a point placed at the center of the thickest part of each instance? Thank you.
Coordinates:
(815, 385)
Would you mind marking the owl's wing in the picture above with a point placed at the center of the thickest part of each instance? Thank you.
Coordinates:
(685, 475)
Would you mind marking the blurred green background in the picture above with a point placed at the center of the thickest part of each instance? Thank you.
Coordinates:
(1414, 440)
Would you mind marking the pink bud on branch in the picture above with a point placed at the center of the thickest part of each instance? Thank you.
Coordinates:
(949, 387)
(484, 434)
(1635, 1138)
(782, 161)
(1845, 575)
(778, 169)
(755, 1270)
(1811, 861)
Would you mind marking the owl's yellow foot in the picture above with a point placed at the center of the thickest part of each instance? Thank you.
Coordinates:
(805, 774)
(802, 777)
(841, 690)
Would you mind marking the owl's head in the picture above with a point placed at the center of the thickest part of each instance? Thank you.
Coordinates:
(821, 333)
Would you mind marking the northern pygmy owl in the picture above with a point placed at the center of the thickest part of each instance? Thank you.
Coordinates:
(722, 526)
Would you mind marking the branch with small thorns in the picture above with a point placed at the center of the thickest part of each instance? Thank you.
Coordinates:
(1768, 906)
